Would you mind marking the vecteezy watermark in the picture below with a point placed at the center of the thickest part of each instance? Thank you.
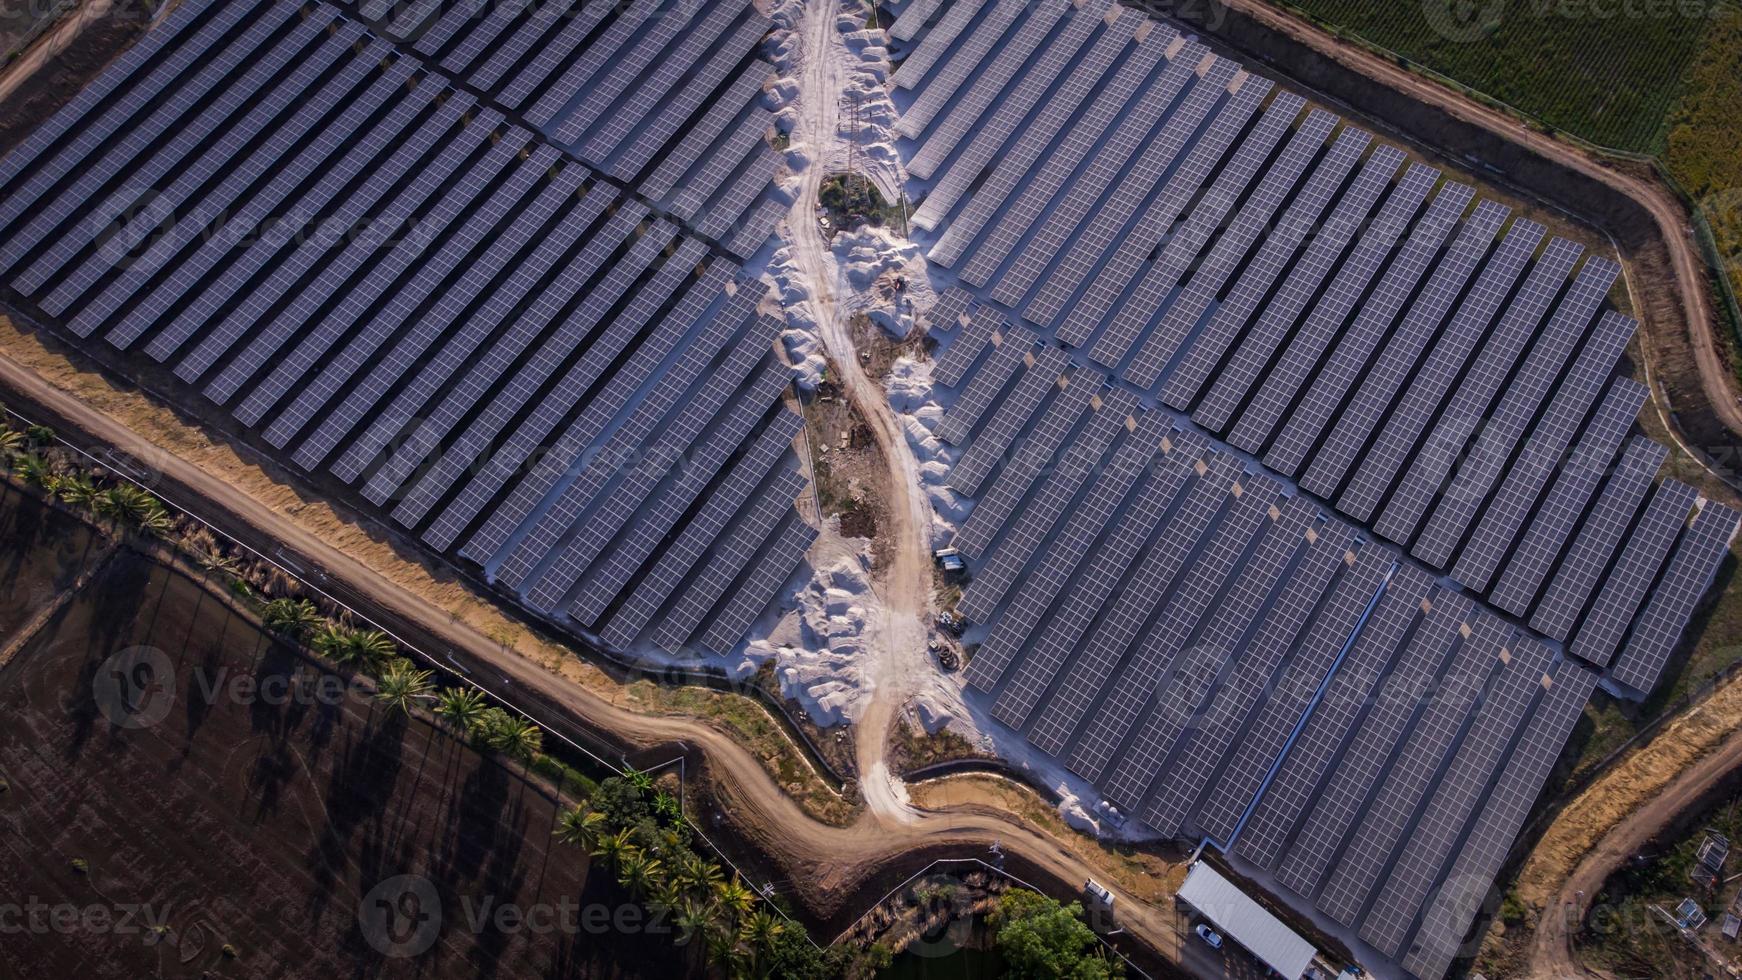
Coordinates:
(35, 917)
(136, 687)
(1466, 21)
(404, 916)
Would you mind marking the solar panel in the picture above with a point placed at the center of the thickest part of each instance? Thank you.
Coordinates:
(1691, 567)
(1058, 640)
(913, 19)
(754, 231)
(1253, 219)
(723, 160)
(1401, 702)
(1065, 553)
(455, 356)
(1032, 458)
(1110, 162)
(970, 110)
(991, 133)
(759, 523)
(1180, 701)
(1476, 393)
(1379, 467)
(646, 100)
(708, 133)
(1001, 188)
(1529, 564)
(1373, 321)
(917, 65)
(1235, 312)
(1111, 218)
(1086, 132)
(1599, 535)
(536, 482)
(607, 579)
(511, 346)
(1375, 387)
(1236, 378)
(260, 295)
(86, 145)
(431, 333)
(1273, 398)
(218, 237)
(680, 451)
(1227, 717)
(481, 31)
(1448, 918)
(223, 74)
(720, 518)
(1425, 750)
(759, 588)
(1478, 758)
(1527, 391)
(1285, 704)
(606, 93)
(627, 443)
(1185, 244)
(364, 346)
(970, 55)
(330, 282)
(1076, 462)
(1625, 587)
(1097, 658)
(983, 325)
(458, 17)
(948, 310)
(449, 173)
(1268, 831)
(737, 196)
(676, 109)
(408, 17)
(1544, 453)
(1013, 353)
(581, 33)
(1013, 415)
(207, 293)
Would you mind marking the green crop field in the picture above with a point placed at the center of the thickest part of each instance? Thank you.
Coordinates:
(1609, 71)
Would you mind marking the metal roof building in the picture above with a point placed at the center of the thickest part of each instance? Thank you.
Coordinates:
(1246, 922)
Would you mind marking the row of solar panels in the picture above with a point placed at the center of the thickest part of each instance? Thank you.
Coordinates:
(1163, 621)
(663, 95)
(385, 280)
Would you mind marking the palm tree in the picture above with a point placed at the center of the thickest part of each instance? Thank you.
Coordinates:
(370, 647)
(613, 848)
(32, 469)
(666, 807)
(693, 917)
(734, 897)
(403, 686)
(697, 874)
(517, 737)
(39, 435)
(77, 490)
(723, 951)
(760, 931)
(291, 617)
(462, 708)
(580, 826)
(11, 443)
(665, 895)
(329, 640)
(640, 780)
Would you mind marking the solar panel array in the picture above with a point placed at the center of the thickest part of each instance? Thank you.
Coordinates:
(1218, 652)
(451, 319)
(663, 95)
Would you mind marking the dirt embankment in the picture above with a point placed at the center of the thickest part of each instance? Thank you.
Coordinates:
(1685, 341)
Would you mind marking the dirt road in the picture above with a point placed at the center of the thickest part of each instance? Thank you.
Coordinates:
(1699, 321)
(897, 630)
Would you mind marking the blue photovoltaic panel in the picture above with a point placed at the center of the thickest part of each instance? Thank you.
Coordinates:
(1625, 586)
(1373, 321)
(983, 325)
(758, 588)
(1599, 535)
(1404, 425)
(940, 39)
(1410, 880)
(1690, 572)
(1284, 705)
(757, 524)
(1012, 418)
(1448, 916)
(1013, 354)
(1227, 717)
(1269, 830)
(970, 56)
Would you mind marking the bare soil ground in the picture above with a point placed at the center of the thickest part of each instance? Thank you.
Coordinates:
(59, 63)
(252, 827)
(44, 552)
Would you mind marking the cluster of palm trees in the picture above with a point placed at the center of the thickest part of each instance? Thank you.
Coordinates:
(652, 859)
(119, 505)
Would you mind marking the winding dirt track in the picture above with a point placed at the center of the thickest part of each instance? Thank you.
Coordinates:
(1717, 381)
(828, 867)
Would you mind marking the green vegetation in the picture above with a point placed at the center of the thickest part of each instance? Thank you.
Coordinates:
(853, 199)
(1609, 73)
(637, 833)
(1040, 939)
(1703, 150)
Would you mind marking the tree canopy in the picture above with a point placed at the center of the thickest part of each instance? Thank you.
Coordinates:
(1041, 939)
